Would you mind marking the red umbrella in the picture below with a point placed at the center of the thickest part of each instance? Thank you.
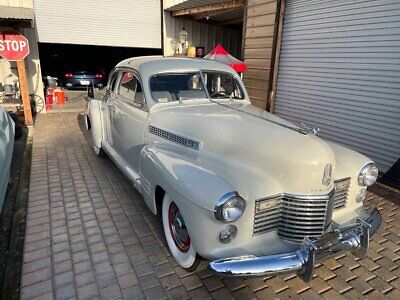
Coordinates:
(221, 55)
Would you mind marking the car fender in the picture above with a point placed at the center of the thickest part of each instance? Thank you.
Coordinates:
(181, 175)
(7, 129)
(94, 121)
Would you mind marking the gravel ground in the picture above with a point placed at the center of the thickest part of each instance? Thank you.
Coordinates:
(7, 212)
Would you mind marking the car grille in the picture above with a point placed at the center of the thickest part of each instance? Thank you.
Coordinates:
(342, 191)
(174, 137)
(294, 216)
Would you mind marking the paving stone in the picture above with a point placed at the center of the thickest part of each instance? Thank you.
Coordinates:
(85, 278)
(88, 292)
(133, 292)
(222, 293)
(170, 281)
(156, 292)
(66, 291)
(110, 292)
(127, 280)
(64, 278)
(35, 290)
(36, 276)
(191, 282)
(199, 294)
(106, 280)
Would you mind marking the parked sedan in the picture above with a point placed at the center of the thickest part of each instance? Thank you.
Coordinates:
(233, 184)
(6, 151)
(79, 79)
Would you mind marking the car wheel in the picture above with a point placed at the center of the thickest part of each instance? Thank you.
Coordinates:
(178, 238)
(98, 151)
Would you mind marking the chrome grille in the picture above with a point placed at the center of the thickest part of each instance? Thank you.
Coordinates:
(294, 216)
(174, 138)
(342, 191)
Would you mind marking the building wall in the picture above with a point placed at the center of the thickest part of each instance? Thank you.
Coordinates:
(258, 41)
(17, 3)
(201, 34)
(8, 70)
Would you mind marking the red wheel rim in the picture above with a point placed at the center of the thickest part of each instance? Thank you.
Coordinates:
(178, 229)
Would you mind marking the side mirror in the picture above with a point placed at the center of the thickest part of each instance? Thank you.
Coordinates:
(90, 92)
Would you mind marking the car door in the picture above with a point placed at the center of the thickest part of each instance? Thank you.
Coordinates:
(128, 118)
(108, 99)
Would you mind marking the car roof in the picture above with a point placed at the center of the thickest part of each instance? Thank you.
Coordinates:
(150, 65)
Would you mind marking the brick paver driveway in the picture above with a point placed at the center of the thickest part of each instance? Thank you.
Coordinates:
(90, 235)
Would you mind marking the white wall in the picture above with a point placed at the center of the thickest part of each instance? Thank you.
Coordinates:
(17, 3)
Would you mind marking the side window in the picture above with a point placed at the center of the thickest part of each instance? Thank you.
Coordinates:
(131, 89)
(113, 81)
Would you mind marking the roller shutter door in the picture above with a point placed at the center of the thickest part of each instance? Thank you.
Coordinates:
(122, 23)
(340, 70)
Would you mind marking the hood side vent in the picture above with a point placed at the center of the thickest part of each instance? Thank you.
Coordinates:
(174, 137)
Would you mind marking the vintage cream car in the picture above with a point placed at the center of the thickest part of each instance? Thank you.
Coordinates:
(234, 185)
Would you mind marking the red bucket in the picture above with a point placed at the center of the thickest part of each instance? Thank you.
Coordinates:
(60, 97)
(49, 99)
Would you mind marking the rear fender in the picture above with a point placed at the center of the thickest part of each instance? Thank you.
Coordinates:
(94, 121)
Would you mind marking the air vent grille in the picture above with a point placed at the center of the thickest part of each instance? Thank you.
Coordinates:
(174, 137)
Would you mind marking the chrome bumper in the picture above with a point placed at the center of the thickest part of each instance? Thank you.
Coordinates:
(354, 238)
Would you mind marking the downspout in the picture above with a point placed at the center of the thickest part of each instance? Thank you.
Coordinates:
(162, 26)
(276, 49)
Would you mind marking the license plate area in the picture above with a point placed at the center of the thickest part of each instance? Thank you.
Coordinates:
(85, 82)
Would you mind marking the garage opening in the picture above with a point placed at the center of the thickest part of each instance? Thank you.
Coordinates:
(60, 59)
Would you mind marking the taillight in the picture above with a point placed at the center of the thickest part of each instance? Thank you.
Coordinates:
(99, 75)
(68, 75)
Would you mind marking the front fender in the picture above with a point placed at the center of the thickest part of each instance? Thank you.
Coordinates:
(179, 173)
(94, 124)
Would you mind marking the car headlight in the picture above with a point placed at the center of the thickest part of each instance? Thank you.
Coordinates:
(229, 207)
(368, 175)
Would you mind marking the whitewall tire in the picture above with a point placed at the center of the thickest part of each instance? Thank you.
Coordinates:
(177, 237)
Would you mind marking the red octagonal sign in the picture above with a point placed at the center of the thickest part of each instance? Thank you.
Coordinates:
(13, 46)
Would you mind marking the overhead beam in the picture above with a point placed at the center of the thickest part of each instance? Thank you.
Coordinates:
(208, 8)
(198, 17)
(231, 21)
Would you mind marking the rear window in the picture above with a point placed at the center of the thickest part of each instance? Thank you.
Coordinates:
(177, 87)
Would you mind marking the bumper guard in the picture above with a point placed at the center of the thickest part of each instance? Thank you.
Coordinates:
(354, 238)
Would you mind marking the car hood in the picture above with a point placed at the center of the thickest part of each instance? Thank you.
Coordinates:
(246, 144)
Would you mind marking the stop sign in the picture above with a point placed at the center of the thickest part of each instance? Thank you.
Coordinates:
(13, 46)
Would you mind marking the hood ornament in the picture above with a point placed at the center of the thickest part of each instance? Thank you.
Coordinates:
(327, 177)
(311, 129)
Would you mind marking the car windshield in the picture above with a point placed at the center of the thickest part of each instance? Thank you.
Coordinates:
(222, 85)
(188, 86)
(177, 87)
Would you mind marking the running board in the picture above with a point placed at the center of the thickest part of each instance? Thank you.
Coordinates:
(123, 166)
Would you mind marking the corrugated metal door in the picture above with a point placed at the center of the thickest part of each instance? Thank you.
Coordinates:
(340, 70)
(123, 23)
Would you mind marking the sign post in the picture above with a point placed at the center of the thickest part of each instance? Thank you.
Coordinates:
(15, 47)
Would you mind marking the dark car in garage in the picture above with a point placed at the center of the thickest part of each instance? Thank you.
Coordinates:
(80, 79)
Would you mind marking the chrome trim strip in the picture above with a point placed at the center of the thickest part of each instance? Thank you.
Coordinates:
(353, 238)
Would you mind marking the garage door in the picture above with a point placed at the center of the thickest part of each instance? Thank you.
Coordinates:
(124, 23)
(340, 70)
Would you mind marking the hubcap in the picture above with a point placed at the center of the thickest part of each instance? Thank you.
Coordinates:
(178, 229)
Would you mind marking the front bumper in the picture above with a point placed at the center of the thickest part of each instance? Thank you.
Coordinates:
(354, 238)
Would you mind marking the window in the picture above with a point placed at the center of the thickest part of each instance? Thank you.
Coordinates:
(130, 88)
(222, 85)
(113, 81)
(176, 87)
